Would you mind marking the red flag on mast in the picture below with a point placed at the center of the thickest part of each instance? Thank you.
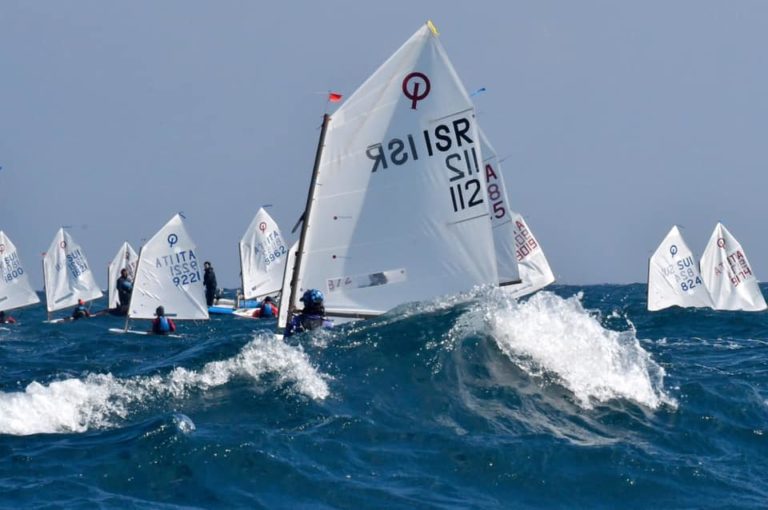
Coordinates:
(334, 97)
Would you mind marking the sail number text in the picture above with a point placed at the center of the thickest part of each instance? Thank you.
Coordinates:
(449, 140)
(182, 267)
(684, 273)
(10, 267)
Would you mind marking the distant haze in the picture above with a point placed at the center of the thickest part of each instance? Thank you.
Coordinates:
(617, 120)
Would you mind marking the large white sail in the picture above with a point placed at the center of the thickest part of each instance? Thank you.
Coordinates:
(399, 208)
(125, 258)
(169, 274)
(535, 273)
(728, 275)
(15, 289)
(262, 257)
(673, 276)
(68, 276)
(501, 216)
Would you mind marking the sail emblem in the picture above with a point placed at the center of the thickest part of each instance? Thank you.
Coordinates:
(172, 239)
(263, 226)
(721, 242)
(63, 245)
(415, 94)
(673, 250)
(2, 248)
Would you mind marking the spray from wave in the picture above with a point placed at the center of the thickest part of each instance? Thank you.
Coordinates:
(555, 338)
(77, 405)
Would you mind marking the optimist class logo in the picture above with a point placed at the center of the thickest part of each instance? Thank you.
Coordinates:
(721, 242)
(412, 87)
(172, 239)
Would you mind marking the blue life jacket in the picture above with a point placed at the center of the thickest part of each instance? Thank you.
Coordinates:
(266, 310)
(162, 325)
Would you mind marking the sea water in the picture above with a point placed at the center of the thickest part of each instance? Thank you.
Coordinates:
(574, 398)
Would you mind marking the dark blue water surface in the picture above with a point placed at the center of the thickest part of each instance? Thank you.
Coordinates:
(575, 398)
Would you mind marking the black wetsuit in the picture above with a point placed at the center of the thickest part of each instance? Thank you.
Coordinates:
(209, 280)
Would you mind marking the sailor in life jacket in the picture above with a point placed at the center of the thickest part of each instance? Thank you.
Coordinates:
(267, 310)
(80, 310)
(162, 325)
(6, 319)
(311, 317)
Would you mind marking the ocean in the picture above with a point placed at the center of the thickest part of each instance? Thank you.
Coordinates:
(576, 397)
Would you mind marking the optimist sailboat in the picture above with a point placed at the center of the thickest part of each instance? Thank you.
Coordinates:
(263, 252)
(673, 276)
(168, 274)
(125, 258)
(67, 275)
(523, 268)
(15, 289)
(727, 274)
(397, 208)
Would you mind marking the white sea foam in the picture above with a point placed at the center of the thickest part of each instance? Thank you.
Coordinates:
(556, 337)
(77, 405)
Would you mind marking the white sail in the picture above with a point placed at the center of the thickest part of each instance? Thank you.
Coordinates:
(727, 274)
(399, 211)
(501, 216)
(68, 277)
(15, 289)
(673, 276)
(169, 274)
(125, 258)
(262, 257)
(282, 315)
(535, 273)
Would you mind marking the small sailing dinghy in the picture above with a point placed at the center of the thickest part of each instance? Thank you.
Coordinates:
(397, 208)
(728, 275)
(67, 275)
(15, 289)
(170, 275)
(673, 276)
(125, 258)
(262, 263)
(263, 253)
(522, 266)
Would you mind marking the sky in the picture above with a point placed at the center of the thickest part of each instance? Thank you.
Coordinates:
(616, 119)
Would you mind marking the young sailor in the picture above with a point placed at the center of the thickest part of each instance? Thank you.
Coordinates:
(267, 310)
(80, 311)
(6, 319)
(312, 316)
(162, 325)
(124, 287)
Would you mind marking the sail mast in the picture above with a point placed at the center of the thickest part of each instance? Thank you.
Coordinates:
(305, 223)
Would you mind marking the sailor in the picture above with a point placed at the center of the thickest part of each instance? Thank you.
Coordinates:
(162, 325)
(124, 290)
(267, 310)
(312, 316)
(6, 319)
(209, 280)
(80, 311)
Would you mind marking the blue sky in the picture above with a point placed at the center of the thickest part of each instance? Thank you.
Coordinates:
(616, 120)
